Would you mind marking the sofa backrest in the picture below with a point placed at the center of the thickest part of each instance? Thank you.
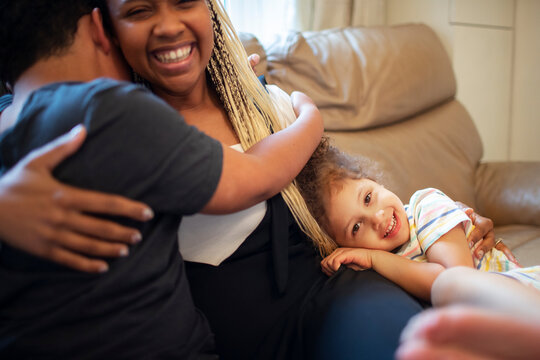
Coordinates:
(386, 93)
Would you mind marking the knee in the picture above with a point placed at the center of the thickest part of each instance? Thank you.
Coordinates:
(448, 286)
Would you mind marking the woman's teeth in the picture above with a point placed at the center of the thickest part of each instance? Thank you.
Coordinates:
(174, 56)
(391, 226)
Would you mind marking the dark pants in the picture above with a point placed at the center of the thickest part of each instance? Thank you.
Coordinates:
(356, 315)
(270, 300)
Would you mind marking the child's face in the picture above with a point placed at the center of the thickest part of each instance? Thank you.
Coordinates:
(364, 214)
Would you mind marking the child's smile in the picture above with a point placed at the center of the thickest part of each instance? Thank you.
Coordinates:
(362, 213)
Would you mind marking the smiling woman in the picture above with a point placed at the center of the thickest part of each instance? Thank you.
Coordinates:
(276, 299)
(148, 32)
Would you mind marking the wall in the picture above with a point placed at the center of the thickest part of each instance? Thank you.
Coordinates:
(495, 51)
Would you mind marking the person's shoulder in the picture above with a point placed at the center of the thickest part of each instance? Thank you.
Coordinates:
(428, 199)
(427, 193)
(105, 89)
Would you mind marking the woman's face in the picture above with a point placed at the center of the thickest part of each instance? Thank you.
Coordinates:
(167, 42)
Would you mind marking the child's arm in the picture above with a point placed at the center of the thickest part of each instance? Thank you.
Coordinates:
(414, 277)
(451, 249)
(270, 165)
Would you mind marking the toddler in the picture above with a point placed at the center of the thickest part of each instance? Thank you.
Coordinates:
(408, 244)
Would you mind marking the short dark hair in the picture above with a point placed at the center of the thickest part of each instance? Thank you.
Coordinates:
(31, 30)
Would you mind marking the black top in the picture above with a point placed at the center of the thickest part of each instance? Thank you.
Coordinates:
(142, 307)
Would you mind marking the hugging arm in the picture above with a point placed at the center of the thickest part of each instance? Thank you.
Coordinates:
(271, 164)
(482, 238)
(49, 219)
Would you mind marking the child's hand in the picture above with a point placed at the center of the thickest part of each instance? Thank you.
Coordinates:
(357, 259)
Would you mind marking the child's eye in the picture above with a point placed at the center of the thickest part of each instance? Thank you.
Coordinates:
(367, 199)
(355, 228)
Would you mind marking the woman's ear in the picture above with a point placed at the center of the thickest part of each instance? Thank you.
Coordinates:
(99, 35)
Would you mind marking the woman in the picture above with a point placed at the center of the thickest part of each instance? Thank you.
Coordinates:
(267, 298)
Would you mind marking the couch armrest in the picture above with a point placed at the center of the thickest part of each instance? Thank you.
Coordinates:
(509, 192)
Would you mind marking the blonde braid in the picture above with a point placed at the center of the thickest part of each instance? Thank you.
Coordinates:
(252, 112)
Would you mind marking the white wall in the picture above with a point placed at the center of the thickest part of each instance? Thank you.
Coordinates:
(495, 49)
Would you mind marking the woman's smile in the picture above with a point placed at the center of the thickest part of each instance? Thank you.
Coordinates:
(173, 56)
(173, 60)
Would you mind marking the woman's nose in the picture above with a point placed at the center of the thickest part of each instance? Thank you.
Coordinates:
(169, 24)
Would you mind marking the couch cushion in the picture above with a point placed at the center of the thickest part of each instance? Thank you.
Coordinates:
(439, 148)
(364, 77)
(523, 240)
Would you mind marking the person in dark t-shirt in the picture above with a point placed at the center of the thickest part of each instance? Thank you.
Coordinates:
(138, 147)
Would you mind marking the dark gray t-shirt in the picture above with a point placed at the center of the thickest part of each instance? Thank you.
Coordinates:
(139, 147)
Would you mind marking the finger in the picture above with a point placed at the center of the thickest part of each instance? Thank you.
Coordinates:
(483, 228)
(475, 236)
(484, 245)
(506, 250)
(326, 271)
(78, 262)
(254, 60)
(100, 228)
(51, 154)
(101, 203)
(88, 246)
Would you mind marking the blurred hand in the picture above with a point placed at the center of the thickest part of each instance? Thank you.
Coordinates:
(254, 60)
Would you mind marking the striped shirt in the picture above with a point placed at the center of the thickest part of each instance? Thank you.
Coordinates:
(432, 214)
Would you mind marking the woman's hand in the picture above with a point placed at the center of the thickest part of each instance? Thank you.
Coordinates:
(482, 238)
(46, 218)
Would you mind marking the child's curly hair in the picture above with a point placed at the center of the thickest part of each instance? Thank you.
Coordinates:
(325, 171)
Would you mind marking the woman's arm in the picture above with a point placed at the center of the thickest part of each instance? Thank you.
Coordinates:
(271, 164)
(414, 277)
(48, 219)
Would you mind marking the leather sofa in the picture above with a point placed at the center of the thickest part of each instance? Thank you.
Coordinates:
(388, 93)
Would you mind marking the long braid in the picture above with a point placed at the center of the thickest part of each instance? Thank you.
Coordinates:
(252, 112)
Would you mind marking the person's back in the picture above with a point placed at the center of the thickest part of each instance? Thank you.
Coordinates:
(142, 305)
(138, 147)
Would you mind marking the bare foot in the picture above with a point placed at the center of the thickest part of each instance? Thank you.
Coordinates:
(468, 333)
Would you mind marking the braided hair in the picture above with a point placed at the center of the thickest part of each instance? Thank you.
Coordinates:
(251, 111)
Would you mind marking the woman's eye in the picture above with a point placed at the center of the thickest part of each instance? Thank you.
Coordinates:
(355, 228)
(136, 12)
(367, 199)
(180, 2)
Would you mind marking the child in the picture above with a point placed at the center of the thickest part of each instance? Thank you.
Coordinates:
(410, 245)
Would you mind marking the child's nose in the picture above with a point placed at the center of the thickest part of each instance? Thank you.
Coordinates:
(378, 218)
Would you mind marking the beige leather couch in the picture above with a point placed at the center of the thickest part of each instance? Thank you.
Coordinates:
(389, 93)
